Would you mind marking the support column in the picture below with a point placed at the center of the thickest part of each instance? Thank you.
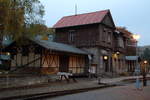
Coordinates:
(117, 66)
(109, 62)
(113, 66)
(121, 68)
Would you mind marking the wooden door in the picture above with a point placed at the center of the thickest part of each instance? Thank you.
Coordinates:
(64, 63)
(106, 66)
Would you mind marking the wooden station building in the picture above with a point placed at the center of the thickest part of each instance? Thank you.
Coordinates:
(46, 57)
(92, 32)
(95, 33)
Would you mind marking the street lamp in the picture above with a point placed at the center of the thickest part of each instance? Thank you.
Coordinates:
(144, 70)
(136, 36)
(137, 69)
(145, 65)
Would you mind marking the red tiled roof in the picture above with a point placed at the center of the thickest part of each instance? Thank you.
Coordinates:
(81, 19)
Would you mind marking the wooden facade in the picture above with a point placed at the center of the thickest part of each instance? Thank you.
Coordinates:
(33, 58)
(96, 33)
(128, 49)
(97, 38)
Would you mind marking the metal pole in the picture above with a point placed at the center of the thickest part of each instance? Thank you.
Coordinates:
(144, 75)
(137, 69)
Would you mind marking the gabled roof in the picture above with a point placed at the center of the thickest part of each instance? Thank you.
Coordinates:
(81, 19)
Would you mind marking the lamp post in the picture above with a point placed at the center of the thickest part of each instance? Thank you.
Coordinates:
(145, 65)
(144, 73)
(137, 69)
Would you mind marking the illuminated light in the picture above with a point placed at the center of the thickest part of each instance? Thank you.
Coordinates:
(145, 61)
(5, 39)
(8, 53)
(105, 57)
(117, 53)
(115, 56)
(136, 36)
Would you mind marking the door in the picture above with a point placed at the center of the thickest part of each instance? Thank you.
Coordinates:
(64, 63)
(106, 66)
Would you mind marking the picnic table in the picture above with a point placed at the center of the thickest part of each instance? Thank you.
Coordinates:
(67, 76)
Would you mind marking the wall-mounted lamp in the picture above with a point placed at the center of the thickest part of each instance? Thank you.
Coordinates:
(8, 53)
(145, 62)
(117, 52)
(105, 57)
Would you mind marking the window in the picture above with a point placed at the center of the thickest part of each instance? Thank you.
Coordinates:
(72, 36)
(120, 42)
(109, 37)
(104, 35)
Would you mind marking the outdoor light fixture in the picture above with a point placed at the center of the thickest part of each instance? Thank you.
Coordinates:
(137, 69)
(117, 52)
(115, 56)
(145, 61)
(136, 36)
(8, 53)
(105, 57)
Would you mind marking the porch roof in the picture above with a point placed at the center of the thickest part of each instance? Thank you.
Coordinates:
(59, 46)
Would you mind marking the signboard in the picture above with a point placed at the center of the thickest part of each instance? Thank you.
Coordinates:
(5, 57)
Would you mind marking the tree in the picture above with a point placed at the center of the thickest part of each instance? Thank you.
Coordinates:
(20, 17)
(146, 54)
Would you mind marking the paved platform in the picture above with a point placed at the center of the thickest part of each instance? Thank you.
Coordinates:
(49, 87)
(82, 83)
(127, 92)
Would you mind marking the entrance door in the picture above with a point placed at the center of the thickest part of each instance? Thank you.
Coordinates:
(106, 66)
(64, 63)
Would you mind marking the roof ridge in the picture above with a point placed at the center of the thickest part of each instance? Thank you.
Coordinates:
(86, 13)
(81, 19)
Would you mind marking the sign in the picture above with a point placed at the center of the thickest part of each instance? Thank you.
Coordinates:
(5, 57)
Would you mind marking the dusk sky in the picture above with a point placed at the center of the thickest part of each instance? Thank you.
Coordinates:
(132, 14)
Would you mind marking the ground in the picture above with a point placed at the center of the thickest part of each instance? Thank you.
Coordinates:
(48, 89)
(128, 92)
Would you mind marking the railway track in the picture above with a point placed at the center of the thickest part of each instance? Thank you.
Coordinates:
(41, 96)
